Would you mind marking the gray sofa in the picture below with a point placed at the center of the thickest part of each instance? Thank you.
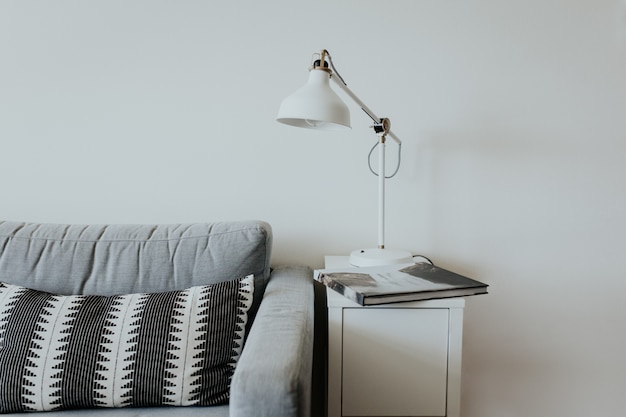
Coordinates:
(273, 371)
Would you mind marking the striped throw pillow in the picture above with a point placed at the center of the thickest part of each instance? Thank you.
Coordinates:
(174, 348)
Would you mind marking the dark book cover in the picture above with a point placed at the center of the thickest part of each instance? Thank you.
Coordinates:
(414, 282)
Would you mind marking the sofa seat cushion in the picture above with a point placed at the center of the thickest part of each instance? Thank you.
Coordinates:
(137, 350)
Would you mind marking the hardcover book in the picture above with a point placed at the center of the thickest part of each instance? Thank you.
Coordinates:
(399, 283)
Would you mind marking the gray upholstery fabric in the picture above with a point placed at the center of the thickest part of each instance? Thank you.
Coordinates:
(273, 348)
(124, 259)
(214, 411)
(273, 376)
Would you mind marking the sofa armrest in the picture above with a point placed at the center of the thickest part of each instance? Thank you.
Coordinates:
(273, 375)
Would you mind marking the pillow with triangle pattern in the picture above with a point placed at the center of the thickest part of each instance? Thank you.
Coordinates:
(173, 348)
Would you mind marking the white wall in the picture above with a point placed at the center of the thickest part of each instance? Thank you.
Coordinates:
(512, 113)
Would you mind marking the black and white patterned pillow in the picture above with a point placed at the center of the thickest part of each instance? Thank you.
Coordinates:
(171, 348)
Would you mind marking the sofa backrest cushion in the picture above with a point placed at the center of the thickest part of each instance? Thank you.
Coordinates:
(124, 259)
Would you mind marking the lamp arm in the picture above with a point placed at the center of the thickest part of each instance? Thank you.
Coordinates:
(341, 84)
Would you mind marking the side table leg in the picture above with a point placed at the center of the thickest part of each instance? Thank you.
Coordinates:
(454, 362)
(335, 318)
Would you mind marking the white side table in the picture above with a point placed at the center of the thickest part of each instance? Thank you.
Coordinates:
(400, 359)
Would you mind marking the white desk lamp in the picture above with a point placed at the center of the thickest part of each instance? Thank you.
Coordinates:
(316, 106)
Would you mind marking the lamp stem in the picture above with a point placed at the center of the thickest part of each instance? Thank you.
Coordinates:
(381, 192)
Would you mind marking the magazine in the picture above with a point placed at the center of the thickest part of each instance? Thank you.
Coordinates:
(398, 283)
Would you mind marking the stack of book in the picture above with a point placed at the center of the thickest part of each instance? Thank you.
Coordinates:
(398, 283)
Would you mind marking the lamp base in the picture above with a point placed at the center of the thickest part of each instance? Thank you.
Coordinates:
(380, 257)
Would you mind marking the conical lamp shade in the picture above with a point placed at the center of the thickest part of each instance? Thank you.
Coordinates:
(315, 105)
